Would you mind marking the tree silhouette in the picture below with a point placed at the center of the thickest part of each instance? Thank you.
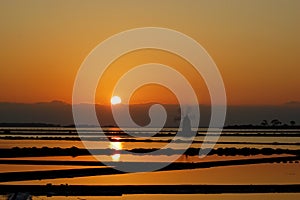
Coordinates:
(276, 122)
(292, 123)
(264, 123)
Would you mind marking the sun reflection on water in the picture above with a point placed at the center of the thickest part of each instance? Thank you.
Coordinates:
(117, 146)
(116, 157)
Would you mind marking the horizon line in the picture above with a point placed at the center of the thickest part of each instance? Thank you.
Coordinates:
(289, 103)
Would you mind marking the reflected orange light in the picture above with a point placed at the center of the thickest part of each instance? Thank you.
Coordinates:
(116, 157)
(117, 146)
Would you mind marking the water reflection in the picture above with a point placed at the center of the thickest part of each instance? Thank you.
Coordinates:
(117, 146)
(116, 157)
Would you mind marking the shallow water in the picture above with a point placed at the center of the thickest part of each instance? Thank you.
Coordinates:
(207, 197)
(274, 196)
(283, 173)
(272, 173)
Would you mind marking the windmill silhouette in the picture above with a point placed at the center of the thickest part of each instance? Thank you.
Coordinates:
(186, 124)
(186, 127)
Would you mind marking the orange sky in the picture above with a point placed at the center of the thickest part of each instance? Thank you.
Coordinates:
(255, 44)
(150, 93)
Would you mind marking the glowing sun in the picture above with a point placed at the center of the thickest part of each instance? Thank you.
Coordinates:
(115, 100)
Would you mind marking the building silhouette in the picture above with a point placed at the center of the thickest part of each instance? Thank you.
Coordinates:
(186, 127)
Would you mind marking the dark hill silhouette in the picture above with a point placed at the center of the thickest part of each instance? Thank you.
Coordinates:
(57, 112)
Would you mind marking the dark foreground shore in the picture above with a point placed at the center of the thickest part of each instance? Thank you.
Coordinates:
(97, 171)
(118, 190)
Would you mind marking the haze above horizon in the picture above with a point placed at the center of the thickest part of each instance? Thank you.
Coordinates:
(255, 45)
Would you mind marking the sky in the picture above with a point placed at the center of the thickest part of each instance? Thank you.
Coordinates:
(254, 43)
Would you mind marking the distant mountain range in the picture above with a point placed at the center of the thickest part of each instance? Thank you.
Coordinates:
(57, 112)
